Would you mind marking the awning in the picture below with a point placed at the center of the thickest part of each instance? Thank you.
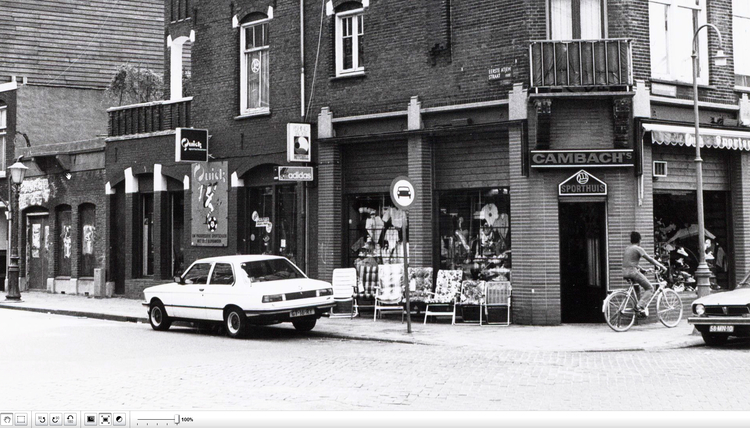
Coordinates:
(675, 135)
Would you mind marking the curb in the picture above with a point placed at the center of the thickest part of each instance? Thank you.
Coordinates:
(94, 315)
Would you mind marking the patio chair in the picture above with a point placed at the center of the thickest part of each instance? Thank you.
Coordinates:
(420, 287)
(367, 284)
(344, 281)
(472, 294)
(497, 295)
(389, 294)
(447, 286)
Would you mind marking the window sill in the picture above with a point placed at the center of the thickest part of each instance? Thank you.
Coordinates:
(352, 75)
(743, 89)
(254, 113)
(681, 83)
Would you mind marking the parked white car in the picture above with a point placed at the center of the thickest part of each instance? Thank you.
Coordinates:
(240, 291)
(720, 315)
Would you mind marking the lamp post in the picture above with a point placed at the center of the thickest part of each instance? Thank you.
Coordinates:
(17, 174)
(702, 273)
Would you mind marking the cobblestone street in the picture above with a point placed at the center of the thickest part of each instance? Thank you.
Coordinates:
(63, 362)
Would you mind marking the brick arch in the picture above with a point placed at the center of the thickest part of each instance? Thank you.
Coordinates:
(250, 163)
(341, 5)
(246, 8)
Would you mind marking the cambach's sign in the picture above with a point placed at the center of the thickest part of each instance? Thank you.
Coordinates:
(578, 158)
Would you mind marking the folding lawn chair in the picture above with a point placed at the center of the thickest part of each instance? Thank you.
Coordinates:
(497, 296)
(472, 294)
(344, 282)
(389, 295)
(447, 286)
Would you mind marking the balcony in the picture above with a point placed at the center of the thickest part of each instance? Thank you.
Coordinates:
(605, 64)
(148, 118)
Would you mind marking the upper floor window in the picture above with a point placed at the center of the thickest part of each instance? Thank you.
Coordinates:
(350, 36)
(179, 10)
(576, 19)
(180, 66)
(741, 34)
(672, 24)
(3, 133)
(254, 80)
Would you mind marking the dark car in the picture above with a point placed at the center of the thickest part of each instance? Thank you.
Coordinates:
(721, 315)
(404, 191)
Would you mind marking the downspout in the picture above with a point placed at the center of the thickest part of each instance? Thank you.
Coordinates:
(302, 114)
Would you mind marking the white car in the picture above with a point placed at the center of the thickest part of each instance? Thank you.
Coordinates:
(720, 315)
(239, 291)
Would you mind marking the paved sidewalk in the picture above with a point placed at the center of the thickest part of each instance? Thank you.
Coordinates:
(567, 337)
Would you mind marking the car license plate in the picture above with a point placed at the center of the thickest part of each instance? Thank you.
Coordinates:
(721, 329)
(302, 312)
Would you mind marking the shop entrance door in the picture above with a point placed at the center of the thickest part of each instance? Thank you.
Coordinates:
(37, 235)
(583, 261)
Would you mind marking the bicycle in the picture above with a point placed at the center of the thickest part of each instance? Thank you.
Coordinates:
(620, 306)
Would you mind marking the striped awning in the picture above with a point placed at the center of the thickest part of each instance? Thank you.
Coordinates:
(675, 135)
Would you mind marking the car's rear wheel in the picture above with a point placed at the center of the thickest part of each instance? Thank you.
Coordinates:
(713, 339)
(305, 324)
(235, 322)
(158, 318)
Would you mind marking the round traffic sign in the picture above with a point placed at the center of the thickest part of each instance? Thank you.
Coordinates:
(403, 193)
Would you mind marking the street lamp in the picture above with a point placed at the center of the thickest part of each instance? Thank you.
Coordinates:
(702, 273)
(17, 174)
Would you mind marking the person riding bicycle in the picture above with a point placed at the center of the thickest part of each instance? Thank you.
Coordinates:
(630, 270)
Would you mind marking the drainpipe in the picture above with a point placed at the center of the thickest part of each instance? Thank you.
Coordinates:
(302, 56)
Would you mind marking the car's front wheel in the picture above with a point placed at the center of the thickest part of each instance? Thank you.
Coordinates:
(714, 339)
(158, 318)
(235, 322)
(306, 324)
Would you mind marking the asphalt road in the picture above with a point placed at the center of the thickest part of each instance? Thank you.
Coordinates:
(58, 362)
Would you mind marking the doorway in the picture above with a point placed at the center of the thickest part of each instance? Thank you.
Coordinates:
(37, 235)
(583, 261)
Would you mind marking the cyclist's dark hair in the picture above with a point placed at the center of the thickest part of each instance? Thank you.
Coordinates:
(635, 238)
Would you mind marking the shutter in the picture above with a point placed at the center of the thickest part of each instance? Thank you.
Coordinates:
(472, 163)
(370, 168)
(681, 163)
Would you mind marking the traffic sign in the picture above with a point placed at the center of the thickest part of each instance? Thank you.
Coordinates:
(403, 193)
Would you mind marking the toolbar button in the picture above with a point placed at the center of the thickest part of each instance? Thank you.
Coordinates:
(105, 419)
(70, 419)
(89, 419)
(55, 419)
(120, 419)
(6, 419)
(21, 419)
(41, 419)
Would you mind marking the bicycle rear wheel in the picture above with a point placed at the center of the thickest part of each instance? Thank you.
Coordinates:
(619, 310)
(669, 308)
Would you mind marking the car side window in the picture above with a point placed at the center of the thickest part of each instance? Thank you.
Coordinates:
(198, 274)
(222, 274)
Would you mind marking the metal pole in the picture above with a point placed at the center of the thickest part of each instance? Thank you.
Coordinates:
(14, 294)
(406, 273)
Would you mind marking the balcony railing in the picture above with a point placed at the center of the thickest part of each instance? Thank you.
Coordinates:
(581, 63)
(149, 117)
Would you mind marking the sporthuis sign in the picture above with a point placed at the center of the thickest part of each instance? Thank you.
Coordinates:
(579, 158)
(582, 184)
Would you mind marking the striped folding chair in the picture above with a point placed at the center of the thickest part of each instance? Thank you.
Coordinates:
(344, 282)
(389, 296)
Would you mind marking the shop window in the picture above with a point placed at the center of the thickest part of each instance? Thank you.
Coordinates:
(3, 133)
(349, 40)
(474, 232)
(64, 241)
(254, 46)
(375, 231)
(177, 209)
(147, 234)
(740, 35)
(576, 19)
(87, 241)
(672, 24)
(272, 220)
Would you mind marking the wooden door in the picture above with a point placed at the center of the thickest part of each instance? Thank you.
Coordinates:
(37, 255)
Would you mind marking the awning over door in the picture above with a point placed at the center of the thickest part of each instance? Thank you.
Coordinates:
(675, 135)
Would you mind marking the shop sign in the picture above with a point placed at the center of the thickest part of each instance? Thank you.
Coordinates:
(298, 142)
(210, 195)
(294, 173)
(191, 145)
(578, 158)
(402, 192)
(582, 184)
(264, 222)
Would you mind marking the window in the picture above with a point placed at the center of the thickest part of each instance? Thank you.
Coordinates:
(672, 24)
(222, 274)
(87, 239)
(350, 36)
(198, 274)
(375, 231)
(576, 19)
(254, 67)
(741, 33)
(3, 133)
(180, 67)
(271, 270)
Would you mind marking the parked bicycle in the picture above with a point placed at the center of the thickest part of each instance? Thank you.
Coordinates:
(620, 306)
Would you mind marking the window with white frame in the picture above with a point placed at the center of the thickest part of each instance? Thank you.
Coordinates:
(741, 34)
(672, 24)
(576, 19)
(254, 45)
(180, 66)
(3, 134)
(350, 36)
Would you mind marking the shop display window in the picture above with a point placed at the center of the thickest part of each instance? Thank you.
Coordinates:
(375, 229)
(474, 232)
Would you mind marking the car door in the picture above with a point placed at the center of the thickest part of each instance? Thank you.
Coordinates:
(188, 298)
(220, 291)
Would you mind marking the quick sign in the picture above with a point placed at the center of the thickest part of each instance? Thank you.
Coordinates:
(578, 158)
(210, 195)
(191, 145)
(298, 142)
(582, 184)
(295, 173)
(402, 192)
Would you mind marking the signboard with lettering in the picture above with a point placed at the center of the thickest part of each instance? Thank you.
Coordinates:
(582, 184)
(298, 142)
(501, 73)
(579, 158)
(294, 173)
(191, 145)
(210, 195)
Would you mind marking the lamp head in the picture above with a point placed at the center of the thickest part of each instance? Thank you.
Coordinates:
(17, 172)
(720, 59)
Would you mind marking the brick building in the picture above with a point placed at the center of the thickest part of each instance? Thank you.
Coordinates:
(560, 123)
(52, 112)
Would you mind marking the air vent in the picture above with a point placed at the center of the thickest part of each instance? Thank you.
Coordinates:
(660, 169)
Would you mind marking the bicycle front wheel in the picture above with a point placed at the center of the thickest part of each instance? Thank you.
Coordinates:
(669, 308)
(619, 310)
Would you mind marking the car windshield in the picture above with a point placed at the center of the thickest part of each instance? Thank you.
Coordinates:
(271, 270)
